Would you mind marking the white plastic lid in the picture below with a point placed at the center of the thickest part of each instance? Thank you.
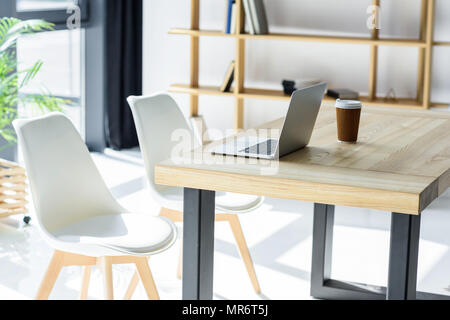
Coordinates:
(348, 104)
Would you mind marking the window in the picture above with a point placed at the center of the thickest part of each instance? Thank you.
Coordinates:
(62, 54)
(34, 5)
(72, 57)
(55, 11)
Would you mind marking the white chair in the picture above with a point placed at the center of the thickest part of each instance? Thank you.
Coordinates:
(76, 213)
(156, 118)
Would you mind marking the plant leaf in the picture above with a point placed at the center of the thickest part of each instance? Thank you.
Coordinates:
(14, 28)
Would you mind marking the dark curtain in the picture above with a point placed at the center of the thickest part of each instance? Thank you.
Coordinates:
(123, 69)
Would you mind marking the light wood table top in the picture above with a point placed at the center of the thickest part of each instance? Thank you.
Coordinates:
(401, 163)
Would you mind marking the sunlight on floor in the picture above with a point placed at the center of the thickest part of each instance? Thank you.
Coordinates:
(279, 236)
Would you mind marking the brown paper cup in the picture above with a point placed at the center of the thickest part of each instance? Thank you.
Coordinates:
(348, 115)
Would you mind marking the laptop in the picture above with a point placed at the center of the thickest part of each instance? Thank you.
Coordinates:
(295, 133)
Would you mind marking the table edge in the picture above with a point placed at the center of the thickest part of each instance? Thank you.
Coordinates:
(318, 192)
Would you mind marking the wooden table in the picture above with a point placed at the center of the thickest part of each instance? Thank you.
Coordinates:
(400, 164)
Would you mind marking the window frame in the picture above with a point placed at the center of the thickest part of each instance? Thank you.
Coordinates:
(59, 18)
(93, 21)
(55, 16)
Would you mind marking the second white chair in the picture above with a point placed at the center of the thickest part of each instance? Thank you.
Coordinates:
(157, 117)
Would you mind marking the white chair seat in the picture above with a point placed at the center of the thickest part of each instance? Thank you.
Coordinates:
(237, 203)
(126, 234)
(225, 202)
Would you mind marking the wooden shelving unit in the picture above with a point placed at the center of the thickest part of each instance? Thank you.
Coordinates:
(305, 38)
(267, 94)
(239, 92)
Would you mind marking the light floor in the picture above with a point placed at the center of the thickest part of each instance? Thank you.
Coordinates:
(279, 236)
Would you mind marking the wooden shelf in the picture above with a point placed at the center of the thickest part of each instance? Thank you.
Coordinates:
(442, 43)
(302, 37)
(267, 94)
(424, 45)
(439, 105)
(264, 94)
(201, 90)
(198, 33)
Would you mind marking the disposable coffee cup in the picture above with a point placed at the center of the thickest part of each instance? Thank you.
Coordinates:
(348, 114)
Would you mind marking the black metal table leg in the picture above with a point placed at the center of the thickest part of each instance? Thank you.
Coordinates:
(322, 247)
(322, 286)
(198, 244)
(403, 257)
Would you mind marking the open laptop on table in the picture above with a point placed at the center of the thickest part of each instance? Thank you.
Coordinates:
(295, 133)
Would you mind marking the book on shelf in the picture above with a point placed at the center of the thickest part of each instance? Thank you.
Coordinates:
(229, 78)
(258, 16)
(233, 18)
(248, 16)
(229, 15)
(345, 94)
(290, 86)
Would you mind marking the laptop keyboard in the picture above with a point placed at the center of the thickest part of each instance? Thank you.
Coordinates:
(266, 148)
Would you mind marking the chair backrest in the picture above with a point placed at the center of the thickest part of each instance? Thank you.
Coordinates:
(157, 117)
(65, 183)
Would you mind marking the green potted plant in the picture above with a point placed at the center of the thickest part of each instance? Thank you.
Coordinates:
(13, 78)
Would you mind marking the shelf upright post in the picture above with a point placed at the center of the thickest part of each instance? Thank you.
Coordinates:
(421, 63)
(194, 74)
(240, 68)
(373, 68)
(428, 55)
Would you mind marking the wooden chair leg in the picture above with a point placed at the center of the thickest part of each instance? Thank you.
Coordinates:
(174, 216)
(132, 286)
(147, 279)
(105, 264)
(243, 249)
(53, 270)
(180, 263)
(233, 220)
(85, 282)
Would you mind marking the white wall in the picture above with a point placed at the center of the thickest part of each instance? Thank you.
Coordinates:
(166, 57)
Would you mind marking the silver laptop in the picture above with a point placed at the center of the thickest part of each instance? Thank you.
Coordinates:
(295, 133)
